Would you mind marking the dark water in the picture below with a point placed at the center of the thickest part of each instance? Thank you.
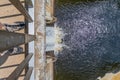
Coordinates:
(93, 35)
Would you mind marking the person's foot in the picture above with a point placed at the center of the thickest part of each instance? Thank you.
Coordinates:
(15, 50)
(15, 27)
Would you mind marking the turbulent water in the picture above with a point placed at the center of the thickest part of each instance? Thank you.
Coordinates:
(93, 37)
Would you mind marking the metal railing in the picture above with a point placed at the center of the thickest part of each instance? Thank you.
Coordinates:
(25, 39)
(17, 72)
(20, 7)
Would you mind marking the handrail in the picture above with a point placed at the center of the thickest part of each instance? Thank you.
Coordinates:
(20, 7)
(16, 73)
(29, 2)
(11, 39)
(27, 77)
(8, 4)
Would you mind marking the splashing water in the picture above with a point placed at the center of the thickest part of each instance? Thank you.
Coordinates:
(59, 44)
(54, 39)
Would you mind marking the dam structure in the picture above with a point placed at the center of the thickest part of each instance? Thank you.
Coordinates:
(60, 40)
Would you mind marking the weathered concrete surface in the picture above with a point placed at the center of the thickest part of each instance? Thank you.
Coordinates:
(40, 56)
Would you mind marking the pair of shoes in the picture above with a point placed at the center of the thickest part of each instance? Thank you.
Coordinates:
(15, 27)
(15, 50)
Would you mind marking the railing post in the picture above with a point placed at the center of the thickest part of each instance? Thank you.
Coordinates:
(28, 75)
(19, 69)
(20, 7)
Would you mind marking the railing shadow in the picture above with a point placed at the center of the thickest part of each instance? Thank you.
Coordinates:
(4, 58)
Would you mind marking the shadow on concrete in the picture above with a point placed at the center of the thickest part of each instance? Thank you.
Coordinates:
(3, 58)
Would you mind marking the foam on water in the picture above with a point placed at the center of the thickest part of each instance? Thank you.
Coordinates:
(59, 44)
(54, 39)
